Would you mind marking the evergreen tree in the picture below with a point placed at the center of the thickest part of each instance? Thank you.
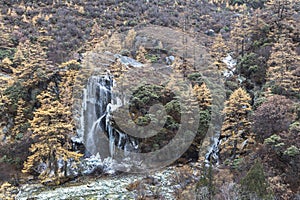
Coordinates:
(236, 126)
(255, 182)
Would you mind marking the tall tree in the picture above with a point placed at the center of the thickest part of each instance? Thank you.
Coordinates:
(50, 129)
(280, 14)
(35, 68)
(241, 34)
(219, 51)
(203, 96)
(236, 126)
(21, 120)
(283, 72)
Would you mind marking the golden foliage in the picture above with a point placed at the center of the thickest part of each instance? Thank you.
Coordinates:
(283, 71)
(36, 67)
(20, 121)
(203, 96)
(6, 191)
(130, 38)
(51, 126)
(236, 126)
(219, 51)
(141, 55)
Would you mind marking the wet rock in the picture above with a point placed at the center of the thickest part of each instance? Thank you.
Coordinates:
(127, 61)
(210, 32)
(91, 165)
(170, 60)
(155, 185)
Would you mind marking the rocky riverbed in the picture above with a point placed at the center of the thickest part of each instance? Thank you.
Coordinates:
(163, 184)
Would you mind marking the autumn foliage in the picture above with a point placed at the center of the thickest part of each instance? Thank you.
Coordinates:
(236, 133)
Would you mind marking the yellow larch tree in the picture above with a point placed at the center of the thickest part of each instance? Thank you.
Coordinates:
(219, 51)
(21, 120)
(50, 131)
(203, 96)
(67, 86)
(241, 34)
(235, 133)
(35, 68)
(141, 55)
(283, 71)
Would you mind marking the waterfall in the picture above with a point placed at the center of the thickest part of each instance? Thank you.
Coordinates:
(212, 155)
(213, 151)
(99, 134)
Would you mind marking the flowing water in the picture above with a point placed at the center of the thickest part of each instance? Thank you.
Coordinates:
(99, 134)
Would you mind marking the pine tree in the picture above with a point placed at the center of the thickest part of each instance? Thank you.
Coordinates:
(255, 181)
(236, 125)
(50, 127)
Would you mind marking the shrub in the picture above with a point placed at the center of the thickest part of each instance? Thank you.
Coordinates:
(273, 116)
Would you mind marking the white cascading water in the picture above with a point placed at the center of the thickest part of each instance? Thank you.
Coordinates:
(99, 135)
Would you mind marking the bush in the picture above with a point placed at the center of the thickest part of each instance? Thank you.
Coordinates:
(272, 117)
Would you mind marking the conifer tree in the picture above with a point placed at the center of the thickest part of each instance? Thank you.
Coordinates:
(67, 90)
(236, 125)
(5, 39)
(281, 19)
(50, 129)
(141, 55)
(19, 57)
(203, 96)
(241, 34)
(21, 120)
(5, 103)
(35, 68)
(282, 74)
(219, 51)
(95, 34)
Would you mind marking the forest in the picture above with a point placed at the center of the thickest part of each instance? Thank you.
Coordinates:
(241, 59)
